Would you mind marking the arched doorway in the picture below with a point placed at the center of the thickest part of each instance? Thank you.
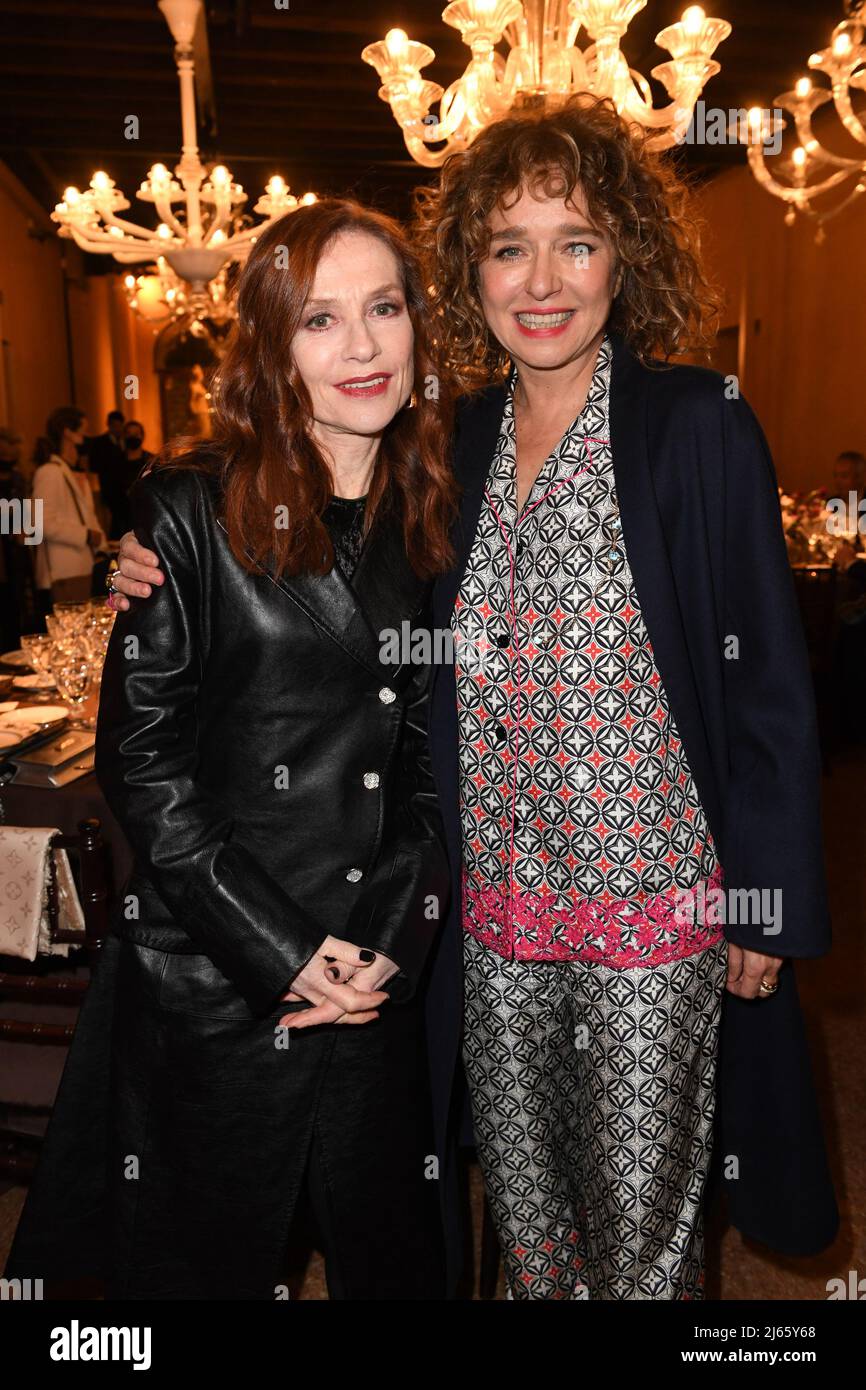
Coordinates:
(186, 355)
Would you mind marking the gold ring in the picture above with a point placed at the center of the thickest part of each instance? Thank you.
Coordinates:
(770, 987)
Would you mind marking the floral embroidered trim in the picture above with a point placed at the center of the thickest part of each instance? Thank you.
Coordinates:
(618, 933)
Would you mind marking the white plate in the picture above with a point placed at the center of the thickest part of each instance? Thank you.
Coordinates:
(10, 739)
(18, 658)
(19, 732)
(32, 714)
(34, 682)
(7, 706)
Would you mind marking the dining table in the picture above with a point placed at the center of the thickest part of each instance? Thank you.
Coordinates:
(61, 808)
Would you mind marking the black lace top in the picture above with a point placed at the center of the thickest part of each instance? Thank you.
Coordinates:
(344, 518)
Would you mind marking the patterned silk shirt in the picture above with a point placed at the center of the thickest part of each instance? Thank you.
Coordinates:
(583, 834)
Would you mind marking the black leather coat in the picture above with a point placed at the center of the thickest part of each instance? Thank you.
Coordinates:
(272, 774)
(273, 777)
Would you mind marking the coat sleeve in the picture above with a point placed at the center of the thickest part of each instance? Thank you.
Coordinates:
(146, 763)
(60, 523)
(772, 817)
(403, 904)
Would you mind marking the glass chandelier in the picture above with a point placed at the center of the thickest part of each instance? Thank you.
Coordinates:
(812, 171)
(544, 64)
(202, 228)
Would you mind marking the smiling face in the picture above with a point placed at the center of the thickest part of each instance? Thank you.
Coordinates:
(547, 283)
(354, 346)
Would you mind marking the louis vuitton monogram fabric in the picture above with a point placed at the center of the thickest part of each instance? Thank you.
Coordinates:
(25, 928)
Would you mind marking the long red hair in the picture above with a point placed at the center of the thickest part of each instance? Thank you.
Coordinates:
(262, 443)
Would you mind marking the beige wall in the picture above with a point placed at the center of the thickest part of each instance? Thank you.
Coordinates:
(801, 310)
(108, 342)
(34, 372)
(111, 345)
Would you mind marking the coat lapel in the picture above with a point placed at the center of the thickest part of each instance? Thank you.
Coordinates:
(479, 422)
(388, 591)
(637, 480)
(384, 592)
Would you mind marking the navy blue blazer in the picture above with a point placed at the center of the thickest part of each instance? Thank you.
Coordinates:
(700, 516)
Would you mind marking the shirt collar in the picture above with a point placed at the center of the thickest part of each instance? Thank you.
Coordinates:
(590, 421)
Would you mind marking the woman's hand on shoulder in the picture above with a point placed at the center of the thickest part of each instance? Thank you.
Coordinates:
(137, 572)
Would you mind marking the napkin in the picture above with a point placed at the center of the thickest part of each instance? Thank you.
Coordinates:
(25, 926)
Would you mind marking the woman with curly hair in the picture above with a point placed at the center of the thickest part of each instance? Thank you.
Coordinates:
(624, 746)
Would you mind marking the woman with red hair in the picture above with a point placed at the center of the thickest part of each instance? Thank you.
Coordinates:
(269, 766)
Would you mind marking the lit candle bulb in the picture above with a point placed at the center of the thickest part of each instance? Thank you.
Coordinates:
(220, 176)
(158, 174)
(693, 20)
(164, 231)
(798, 157)
(100, 183)
(803, 87)
(276, 186)
(397, 44)
(71, 196)
(309, 198)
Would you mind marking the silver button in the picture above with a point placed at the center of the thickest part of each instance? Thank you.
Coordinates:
(371, 780)
(386, 695)
(354, 875)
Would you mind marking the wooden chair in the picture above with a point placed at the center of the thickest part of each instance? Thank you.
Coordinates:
(17, 980)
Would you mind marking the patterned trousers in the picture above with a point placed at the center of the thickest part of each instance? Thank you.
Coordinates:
(593, 1092)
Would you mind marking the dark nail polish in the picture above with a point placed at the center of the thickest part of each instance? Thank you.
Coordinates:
(367, 955)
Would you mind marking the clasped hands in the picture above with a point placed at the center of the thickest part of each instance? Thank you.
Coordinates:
(343, 982)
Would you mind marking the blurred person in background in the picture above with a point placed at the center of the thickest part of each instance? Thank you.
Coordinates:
(72, 535)
(116, 486)
(16, 588)
(107, 458)
(849, 474)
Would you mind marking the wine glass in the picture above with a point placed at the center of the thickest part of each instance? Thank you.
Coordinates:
(72, 617)
(35, 648)
(73, 670)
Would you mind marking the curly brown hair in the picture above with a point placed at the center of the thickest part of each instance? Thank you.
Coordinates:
(665, 304)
